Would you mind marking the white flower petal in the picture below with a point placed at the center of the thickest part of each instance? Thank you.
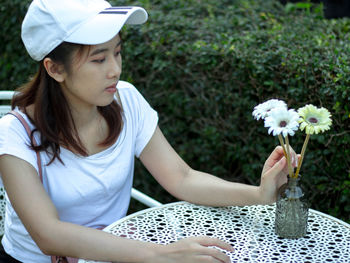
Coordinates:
(282, 121)
(262, 110)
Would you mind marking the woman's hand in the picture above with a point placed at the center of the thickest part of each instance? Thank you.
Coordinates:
(274, 173)
(192, 250)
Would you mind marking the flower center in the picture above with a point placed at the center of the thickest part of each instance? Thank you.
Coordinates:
(313, 120)
(283, 124)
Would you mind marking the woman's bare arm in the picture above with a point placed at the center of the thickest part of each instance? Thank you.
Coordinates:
(54, 237)
(185, 183)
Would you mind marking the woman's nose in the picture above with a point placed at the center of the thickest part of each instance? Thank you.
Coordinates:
(115, 68)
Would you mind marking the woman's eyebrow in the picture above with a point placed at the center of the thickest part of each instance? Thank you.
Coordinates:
(101, 50)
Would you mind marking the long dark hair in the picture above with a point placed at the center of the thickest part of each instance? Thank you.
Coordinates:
(52, 116)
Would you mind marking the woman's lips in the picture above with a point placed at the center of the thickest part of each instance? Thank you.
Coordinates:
(111, 89)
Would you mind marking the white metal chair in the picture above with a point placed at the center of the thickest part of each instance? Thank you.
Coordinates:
(7, 96)
(4, 109)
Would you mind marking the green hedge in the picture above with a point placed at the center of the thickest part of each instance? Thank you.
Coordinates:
(204, 65)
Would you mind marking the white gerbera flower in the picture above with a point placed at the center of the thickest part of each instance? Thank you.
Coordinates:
(282, 121)
(262, 110)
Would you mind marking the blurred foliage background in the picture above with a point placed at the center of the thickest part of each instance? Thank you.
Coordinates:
(204, 65)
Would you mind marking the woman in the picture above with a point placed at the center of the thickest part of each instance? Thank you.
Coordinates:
(90, 125)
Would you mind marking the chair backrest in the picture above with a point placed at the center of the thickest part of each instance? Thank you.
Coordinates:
(5, 96)
(5, 108)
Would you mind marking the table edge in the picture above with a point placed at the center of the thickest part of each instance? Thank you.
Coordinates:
(107, 228)
(339, 221)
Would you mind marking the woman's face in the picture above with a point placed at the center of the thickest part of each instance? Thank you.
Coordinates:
(93, 76)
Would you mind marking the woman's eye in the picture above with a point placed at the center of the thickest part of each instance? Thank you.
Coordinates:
(117, 53)
(99, 60)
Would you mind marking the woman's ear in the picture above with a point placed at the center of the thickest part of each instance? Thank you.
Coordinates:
(56, 71)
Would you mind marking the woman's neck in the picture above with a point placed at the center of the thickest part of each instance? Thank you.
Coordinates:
(85, 117)
(92, 129)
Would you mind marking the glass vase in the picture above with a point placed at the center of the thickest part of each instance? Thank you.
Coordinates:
(292, 209)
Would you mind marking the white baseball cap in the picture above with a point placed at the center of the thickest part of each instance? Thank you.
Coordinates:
(48, 23)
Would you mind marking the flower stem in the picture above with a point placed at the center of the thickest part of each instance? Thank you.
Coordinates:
(282, 144)
(302, 154)
(288, 159)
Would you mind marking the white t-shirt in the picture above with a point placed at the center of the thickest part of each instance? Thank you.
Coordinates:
(92, 191)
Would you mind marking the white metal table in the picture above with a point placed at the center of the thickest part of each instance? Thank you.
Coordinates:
(250, 229)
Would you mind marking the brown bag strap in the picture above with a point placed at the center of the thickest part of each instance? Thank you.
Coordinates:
(32, 139)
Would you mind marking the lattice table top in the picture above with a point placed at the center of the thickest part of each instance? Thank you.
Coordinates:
(250, 229)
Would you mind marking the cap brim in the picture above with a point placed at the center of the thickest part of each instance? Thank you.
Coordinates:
(105, 25)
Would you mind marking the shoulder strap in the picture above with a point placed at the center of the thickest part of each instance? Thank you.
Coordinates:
(32, 139)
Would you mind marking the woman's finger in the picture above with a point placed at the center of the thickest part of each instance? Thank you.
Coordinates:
(278, 167)
(274, 157)
(215, 253)
(293, 157)
(208, 241)
(209, 249)
(276, 154)
(209, 258)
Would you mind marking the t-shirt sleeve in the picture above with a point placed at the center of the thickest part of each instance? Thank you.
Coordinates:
(14, 140)
(144, 117)
(147, 123)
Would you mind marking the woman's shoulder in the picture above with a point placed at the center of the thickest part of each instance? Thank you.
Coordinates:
(128, 93)
(12, 131)
(10, 125)
(7, 121)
